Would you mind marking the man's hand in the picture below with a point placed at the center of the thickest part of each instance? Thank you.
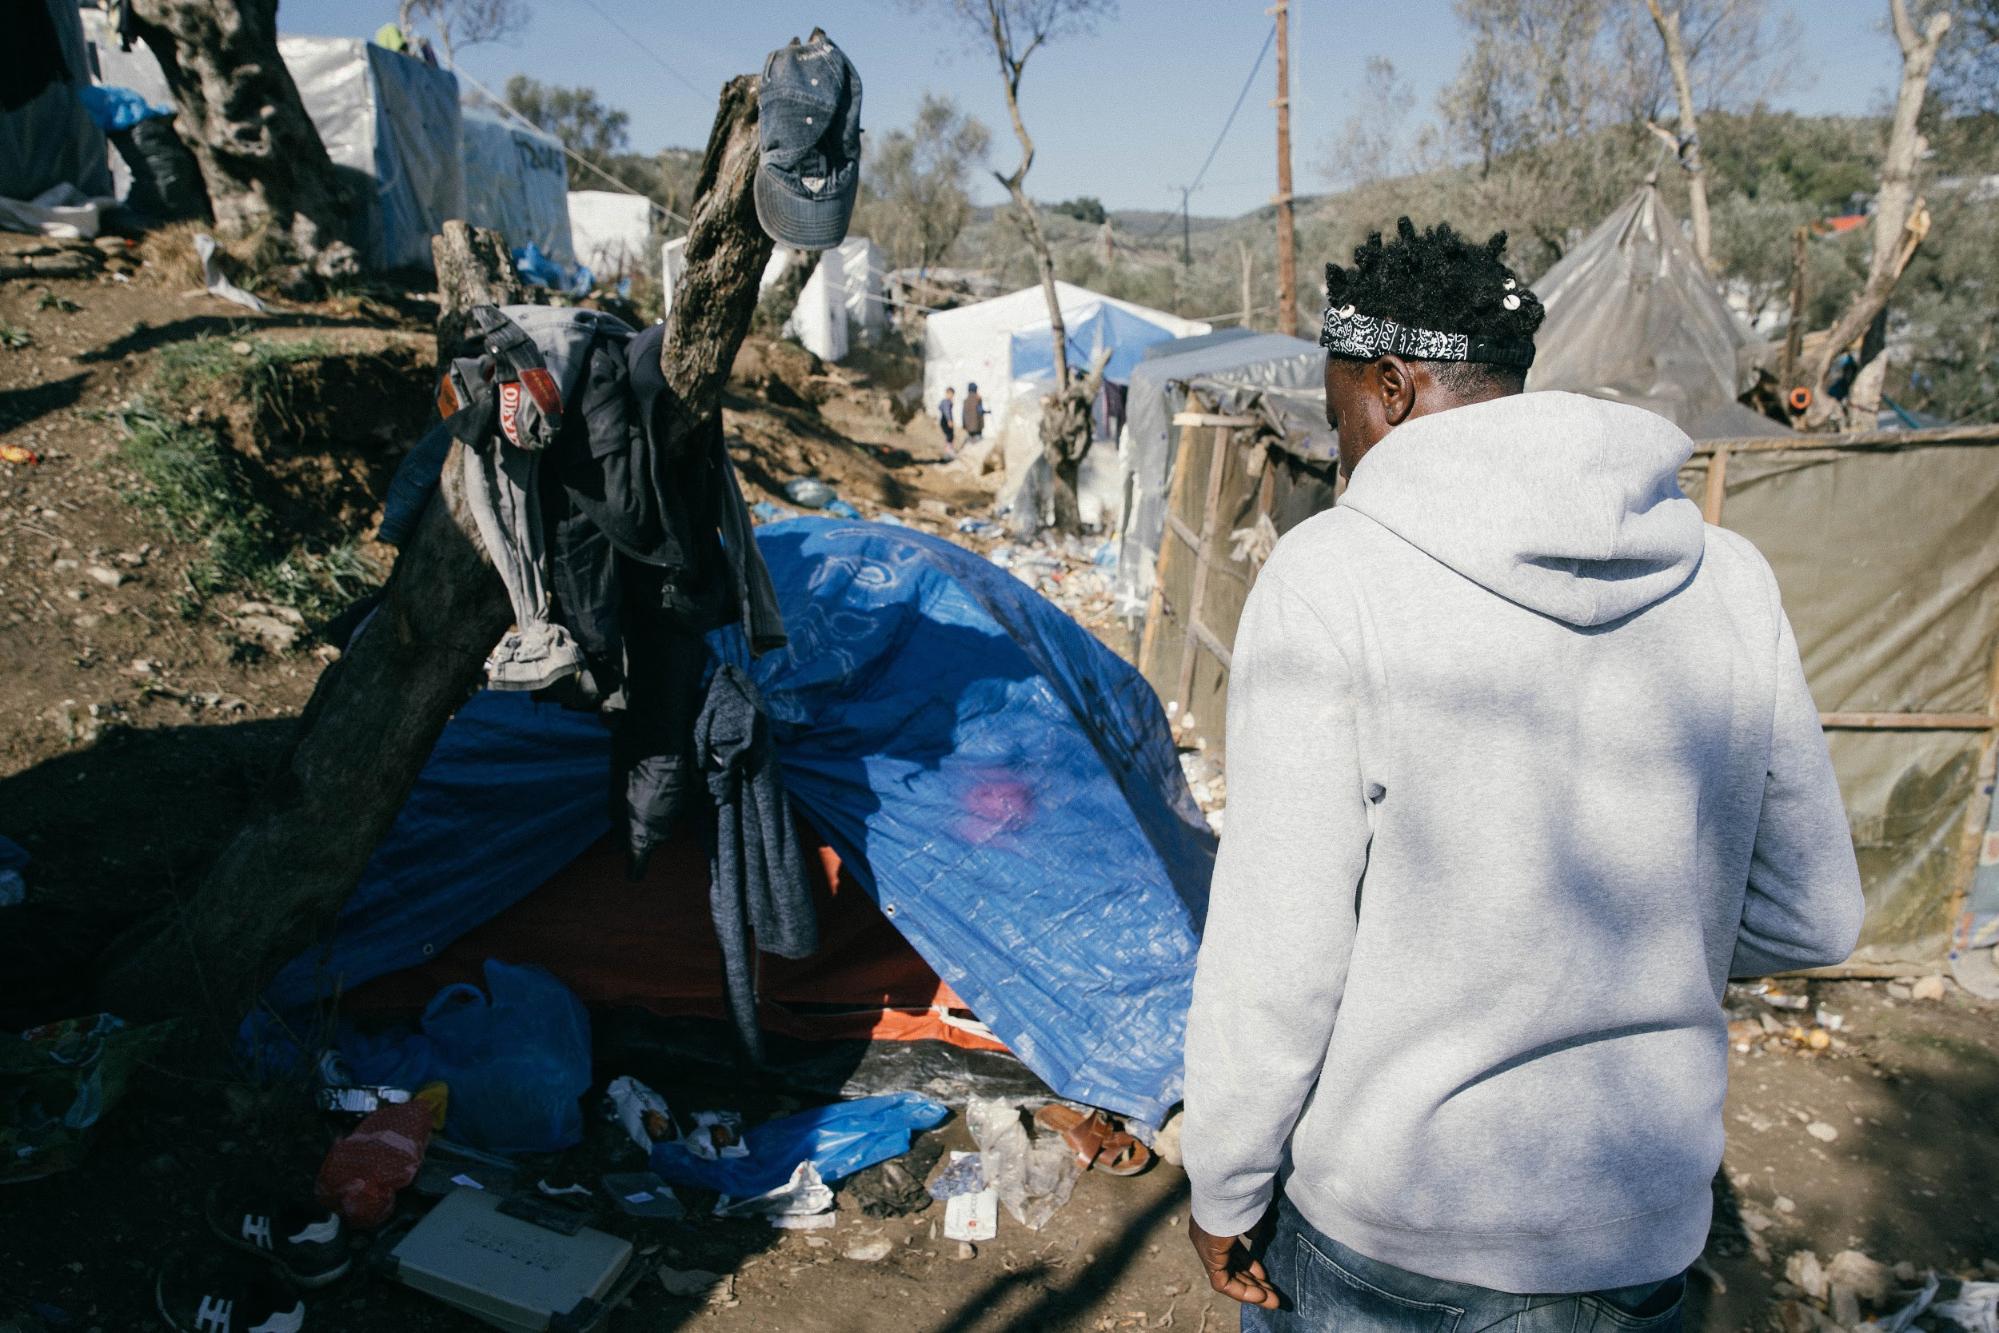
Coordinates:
(1229, 1268)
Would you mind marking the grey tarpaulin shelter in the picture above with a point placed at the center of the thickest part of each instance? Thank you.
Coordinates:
(1236, 363)
(48, 139)
(1632, 316)
(1887, 555)
(516, 182)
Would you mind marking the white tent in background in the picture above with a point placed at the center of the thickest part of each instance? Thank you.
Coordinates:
(611, 231)
(975, 344)
(841, 302)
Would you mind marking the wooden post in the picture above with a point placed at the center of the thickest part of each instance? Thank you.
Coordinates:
(279, 885)
(1978, 815)
(1717, 487)
(1197, 635)
(1287, 257)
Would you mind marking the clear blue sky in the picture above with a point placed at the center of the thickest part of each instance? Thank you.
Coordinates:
(1123, 115)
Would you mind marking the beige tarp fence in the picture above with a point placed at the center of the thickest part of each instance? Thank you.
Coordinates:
(1886, 549)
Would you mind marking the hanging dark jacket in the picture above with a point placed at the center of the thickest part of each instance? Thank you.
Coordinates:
(758, 893)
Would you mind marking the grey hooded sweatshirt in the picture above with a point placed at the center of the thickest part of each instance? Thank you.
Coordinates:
(1522, 768)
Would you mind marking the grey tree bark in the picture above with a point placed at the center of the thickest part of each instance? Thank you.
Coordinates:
(1688, 144)
(279, 885)
(266, 170)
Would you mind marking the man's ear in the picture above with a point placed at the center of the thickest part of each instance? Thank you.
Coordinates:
(1398, 389)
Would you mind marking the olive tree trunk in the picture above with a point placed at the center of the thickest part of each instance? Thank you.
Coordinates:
(278, 887)
(266, 171)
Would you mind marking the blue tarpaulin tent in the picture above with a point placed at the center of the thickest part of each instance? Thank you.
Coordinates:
(1003, 785)
(1103, 325)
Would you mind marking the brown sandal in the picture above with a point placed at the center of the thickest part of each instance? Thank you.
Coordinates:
(1095, 1140)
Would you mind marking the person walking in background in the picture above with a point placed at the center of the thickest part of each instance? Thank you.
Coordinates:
(1522, 769)
(944, 407)
(975, 415)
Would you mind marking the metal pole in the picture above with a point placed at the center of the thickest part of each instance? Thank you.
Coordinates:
(1186, 232)
(1287, 257)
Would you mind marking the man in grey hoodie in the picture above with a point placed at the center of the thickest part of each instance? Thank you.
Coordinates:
(1522, 769)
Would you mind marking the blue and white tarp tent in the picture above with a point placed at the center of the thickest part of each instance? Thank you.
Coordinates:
(1004, 786)
(1125, 333)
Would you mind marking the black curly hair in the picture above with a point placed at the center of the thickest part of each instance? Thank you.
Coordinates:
(1437, 279)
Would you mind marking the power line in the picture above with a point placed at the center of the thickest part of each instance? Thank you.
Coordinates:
(1269, 39)
(657, 59)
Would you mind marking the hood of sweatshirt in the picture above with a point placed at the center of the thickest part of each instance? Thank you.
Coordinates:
(1567, 505)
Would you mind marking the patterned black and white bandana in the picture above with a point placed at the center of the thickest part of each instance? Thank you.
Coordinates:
(1347, 333)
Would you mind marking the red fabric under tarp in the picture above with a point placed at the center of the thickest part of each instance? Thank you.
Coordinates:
(652, 945)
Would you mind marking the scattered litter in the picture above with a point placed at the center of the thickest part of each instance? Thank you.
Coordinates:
(464, 1181)
(1929, 988)
(766, 512)
(57, 1082)
(1033, 1176)
(641, 1111)
(1821, 1131)
(970, 1215)
(810, 492)
(1900, 1321)
(15, 453)
(894, 1188)
(1975, 1307)
(803, 1192)
(841, 508)
(978, 527)
(563, 1191)
(804, 1222)
(792, 1160)
(965, 1175)
(713, 1287)
(1802, 1270)
(870, 1251)
(212, 276)
(716, 1134)
(643, 1194)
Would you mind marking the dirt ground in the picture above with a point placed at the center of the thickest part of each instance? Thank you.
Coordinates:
(142, 706)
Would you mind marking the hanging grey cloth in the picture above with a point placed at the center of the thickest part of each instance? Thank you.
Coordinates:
(757, 878)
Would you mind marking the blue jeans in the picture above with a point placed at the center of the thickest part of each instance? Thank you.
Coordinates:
(1325, 1285)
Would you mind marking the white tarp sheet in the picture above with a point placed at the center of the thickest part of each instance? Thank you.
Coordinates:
(611, 231)
(841, 303)
(517, 182)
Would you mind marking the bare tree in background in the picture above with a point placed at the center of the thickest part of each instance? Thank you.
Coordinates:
(1687, 144)
(1899, 224)
(915, 199)
(457, 23)
(1017, 29)
(1370, 146)
(267, 173)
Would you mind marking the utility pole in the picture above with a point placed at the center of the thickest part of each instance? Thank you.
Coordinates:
(1186, 231)
(1287, 256)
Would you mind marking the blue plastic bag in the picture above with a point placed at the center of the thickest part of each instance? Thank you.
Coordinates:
(516, 1057)
(839, 1140)
(114, 109)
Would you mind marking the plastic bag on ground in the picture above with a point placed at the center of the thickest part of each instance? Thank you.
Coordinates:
(1034, 1176)
(836, 1141)
(516, 1057)
(57, 1082)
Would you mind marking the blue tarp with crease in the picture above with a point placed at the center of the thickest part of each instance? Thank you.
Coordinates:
(1002, 784)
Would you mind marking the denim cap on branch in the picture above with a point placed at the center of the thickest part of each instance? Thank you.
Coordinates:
(809, 125)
